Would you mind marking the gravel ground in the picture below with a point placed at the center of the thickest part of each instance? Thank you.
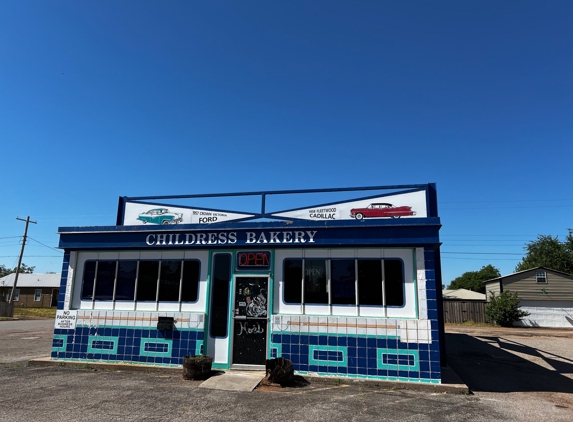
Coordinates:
(528, 376)
(513, 377)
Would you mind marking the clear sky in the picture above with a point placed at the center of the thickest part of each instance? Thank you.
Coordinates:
(101, 99)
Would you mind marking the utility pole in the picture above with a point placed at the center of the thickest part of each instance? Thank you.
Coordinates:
(27, 220)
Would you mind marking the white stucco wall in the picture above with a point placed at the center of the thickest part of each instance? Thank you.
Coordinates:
(547, 314)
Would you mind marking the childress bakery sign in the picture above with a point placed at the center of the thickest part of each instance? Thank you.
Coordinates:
(278, 237)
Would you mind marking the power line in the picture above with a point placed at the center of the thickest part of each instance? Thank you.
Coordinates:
(479, 259)
(31, 256)
(49, 247)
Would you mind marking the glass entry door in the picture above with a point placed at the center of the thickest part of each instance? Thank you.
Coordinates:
(250, 320)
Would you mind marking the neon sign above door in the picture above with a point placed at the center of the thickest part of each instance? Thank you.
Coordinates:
(253, 260)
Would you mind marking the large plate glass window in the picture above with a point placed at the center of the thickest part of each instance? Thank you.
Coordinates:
(380, 282)
(144, 281)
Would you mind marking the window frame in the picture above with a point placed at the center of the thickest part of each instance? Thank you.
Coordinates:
(39, 297)
(137, 286)
(541, 275)
(329, 286)
(16, 295)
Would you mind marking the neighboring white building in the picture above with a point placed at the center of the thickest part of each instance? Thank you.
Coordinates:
(462, 294)
(545, 293)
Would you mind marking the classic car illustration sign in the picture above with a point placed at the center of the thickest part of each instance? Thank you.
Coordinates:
(411, 204)
(138, 213)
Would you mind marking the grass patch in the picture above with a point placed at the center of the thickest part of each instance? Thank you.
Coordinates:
(29, 313)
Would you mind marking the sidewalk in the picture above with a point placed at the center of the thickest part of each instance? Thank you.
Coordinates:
(451, 383)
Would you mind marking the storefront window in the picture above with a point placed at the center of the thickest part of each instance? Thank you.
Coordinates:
(122, 276)
(393, 282)
(169, 281)
(125, 287)
(89, 279)
(293, 280)
(315, 286)
(380, 282)
(190, 288)
(147, 280)
(105, 280)
(343, 281)
(370, 282)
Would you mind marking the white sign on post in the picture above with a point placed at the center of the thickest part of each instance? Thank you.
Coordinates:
(66, 320)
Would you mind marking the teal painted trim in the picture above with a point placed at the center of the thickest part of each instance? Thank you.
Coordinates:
(339, 349)
(397, 352)
(270, 303)
(165, 354)
(230, 313)
(198, 346)
(279, 349)
(220, 365)
(64, 338)
(208, 296)
(415, 277)
(430, 381)
(95, 350)
(231, 298)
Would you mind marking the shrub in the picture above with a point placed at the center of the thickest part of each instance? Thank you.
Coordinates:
(503, 309)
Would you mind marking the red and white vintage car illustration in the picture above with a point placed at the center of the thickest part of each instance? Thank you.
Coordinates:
(381, 210)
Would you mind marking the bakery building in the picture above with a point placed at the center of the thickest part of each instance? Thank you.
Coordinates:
(348, 288)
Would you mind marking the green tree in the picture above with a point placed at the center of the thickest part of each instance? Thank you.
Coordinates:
(503, 309)
(473, 280)
(24, 269)
(549, 252)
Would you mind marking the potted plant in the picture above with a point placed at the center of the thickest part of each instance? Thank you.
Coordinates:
(196, 367)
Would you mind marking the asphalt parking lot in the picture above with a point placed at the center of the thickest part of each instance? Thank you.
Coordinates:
(513, 377)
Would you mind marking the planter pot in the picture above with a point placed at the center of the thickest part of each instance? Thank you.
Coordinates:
(197, 367)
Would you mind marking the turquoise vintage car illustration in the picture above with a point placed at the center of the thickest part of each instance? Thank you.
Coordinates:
(160, 216)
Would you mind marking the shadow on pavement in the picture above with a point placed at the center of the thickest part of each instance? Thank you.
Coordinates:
(485, 367)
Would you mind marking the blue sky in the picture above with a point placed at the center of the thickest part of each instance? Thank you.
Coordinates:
(101, 99)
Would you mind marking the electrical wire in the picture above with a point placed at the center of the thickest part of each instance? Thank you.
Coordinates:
(49, 247)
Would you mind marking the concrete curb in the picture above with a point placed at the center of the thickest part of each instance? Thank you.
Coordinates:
(175, 370)
(451, 383)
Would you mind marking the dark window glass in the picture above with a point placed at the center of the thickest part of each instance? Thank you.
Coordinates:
(370, 282)
(292, 292)
(147, 280)
(394, 282)
(220, 309)
(190, 289)
(105, 280)
(169, 281)
(125, 286)
(88, 282)
(315, 281)
(342, 281)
